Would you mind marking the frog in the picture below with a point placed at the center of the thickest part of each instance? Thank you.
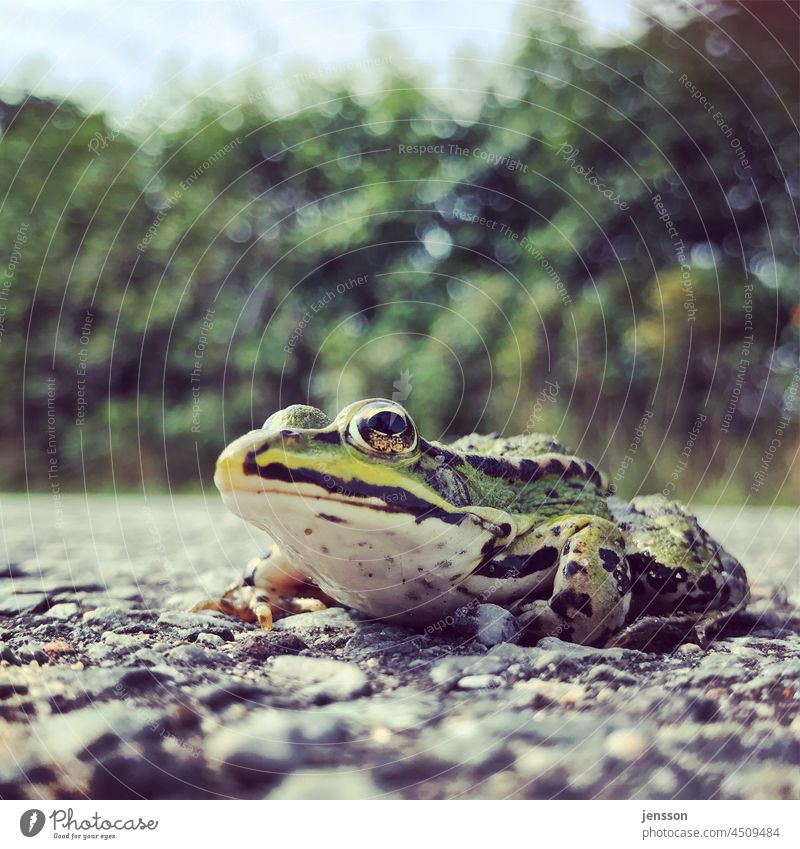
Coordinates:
(365, 513)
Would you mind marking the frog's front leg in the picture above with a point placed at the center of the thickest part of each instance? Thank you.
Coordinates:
(591, 587)
(271, 589)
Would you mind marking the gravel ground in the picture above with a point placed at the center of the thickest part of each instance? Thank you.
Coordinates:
(110, 689)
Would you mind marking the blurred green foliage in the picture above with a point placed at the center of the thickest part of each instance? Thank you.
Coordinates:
(151, 234)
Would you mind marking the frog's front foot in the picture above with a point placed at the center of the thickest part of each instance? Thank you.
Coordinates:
(270, 590)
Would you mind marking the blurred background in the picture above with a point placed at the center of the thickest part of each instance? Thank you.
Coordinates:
(567, 217)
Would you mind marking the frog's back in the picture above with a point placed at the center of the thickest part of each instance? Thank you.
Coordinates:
(525, 446)
(532, 473)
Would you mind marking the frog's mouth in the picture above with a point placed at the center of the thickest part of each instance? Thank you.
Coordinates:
(280, 480)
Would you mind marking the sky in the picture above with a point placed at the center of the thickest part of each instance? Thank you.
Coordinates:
(112, 54)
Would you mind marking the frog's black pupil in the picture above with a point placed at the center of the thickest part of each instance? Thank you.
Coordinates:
(392, 424)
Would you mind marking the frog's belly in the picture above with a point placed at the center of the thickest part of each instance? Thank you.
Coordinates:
(386, 564)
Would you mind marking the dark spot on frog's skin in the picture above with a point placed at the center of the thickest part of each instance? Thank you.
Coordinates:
(426, 583)
(638, 563)
(529, 471)
(593, 474)
(250, 578)
(514, 566)
(332, 437)
(568, 600)
(440, 545)
(420, 568)
(369, 574)
(610, 559)
(443, 564)
(324, 549)
(545, 558)
(574, 470)
(572, 568)
(412, 596)
(707, 584)
(308, 532)
(337, 520)
(552, 493)
(555, 530)
(552, 467)
(494, 467)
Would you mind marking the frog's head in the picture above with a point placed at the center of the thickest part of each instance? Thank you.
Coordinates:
(361, 489)
(369, 457)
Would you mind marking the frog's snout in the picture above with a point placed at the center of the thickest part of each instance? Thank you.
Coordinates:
(238, 461)
(232, 463)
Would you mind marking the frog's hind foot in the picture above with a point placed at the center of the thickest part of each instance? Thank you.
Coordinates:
(666, 633)
(270, 590)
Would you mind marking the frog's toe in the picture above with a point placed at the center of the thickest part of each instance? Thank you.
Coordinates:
(664, 633)
(656, 632)
(263, 614)
(236, 601)
(538, 620)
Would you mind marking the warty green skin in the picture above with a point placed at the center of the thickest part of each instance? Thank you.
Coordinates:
(419, 535)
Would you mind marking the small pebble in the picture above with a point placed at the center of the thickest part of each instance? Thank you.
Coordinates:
(479, 682)
(627, 745)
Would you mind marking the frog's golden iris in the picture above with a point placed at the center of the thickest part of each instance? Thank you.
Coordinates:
(383, 429)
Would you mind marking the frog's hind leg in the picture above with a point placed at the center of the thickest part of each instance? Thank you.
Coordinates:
(271, 589)
(685, 586)
(591, 587)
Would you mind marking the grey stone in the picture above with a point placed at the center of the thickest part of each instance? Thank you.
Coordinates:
(718, 667)
(490, 624)
(272, 741)
(9, 655)
(71, 734)
(333, 617)
(479, 682)
(194, 655)
(12, 604)
(449, 670)
(99, 653)
(63, 610)
(510, 653)
(466, 745)
(610, 674)
(198, 623)
(322, 630)
(147, 657)
(319, 679)
(33, 651)
(338, 784)
(111, 638)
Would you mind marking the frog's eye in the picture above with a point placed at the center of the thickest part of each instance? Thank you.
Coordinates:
(383, 428)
